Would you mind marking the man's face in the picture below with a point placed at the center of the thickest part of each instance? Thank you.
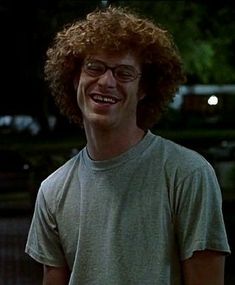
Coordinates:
(108, 98)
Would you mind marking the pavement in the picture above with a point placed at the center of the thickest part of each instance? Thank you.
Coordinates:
(16, 268)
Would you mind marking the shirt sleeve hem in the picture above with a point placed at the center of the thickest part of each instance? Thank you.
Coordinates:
(204, 246)
(42, 259)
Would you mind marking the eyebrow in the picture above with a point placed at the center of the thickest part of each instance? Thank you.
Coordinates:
(114, 65)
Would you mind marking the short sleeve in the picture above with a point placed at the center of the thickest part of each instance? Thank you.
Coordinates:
(198, 213)
(43, 243)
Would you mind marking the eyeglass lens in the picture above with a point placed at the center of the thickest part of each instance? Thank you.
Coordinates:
(123, 72)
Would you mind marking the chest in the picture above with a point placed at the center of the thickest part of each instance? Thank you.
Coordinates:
(123, 209)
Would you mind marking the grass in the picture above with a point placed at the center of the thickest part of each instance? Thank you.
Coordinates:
(15, 200)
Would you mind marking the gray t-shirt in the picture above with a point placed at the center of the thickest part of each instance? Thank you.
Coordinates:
(130, 220)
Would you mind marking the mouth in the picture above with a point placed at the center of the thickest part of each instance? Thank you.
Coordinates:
(103, 99)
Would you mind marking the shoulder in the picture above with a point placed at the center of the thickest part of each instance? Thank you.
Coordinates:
(178, 160)
(190, 176)
(58, 176)
(56, 183)
(174, 153)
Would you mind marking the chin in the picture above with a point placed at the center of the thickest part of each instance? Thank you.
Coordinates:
(101, 122)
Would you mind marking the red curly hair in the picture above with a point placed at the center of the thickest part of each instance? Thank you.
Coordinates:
(116, 30)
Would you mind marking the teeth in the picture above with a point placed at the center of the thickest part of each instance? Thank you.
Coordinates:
(104, 99)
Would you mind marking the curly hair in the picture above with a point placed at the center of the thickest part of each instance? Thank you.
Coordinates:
(116, 29)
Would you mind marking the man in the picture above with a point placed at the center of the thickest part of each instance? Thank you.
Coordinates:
(131, 207)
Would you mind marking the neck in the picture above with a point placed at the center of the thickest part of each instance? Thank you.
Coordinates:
(106, 144)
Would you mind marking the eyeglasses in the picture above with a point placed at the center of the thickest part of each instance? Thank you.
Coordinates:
(122, 73)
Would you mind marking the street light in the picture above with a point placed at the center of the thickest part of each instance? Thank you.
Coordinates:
(213, 100)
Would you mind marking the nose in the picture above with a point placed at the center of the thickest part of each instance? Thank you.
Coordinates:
(107, 80)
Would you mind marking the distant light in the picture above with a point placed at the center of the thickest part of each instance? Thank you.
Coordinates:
(213, 100)
(25, 166)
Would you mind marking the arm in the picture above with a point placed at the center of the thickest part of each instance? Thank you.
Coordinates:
(204, 268)
(55, 275)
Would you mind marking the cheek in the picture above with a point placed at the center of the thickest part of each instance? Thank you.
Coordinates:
(134, 94)
(80, 97)
(84, 86)
(81, 86)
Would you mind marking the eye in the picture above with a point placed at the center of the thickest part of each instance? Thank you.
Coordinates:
(94, 68)
(125, 72)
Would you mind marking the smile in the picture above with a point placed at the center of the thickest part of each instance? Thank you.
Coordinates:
(104, 99)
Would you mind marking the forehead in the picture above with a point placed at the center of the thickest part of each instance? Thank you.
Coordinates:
(115, 58)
